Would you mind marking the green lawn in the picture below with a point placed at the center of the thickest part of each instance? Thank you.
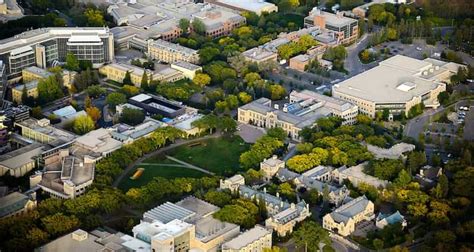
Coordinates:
(159, 169)
(220, 156)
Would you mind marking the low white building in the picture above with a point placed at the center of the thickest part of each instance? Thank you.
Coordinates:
(255, 239)
(233, 183)
(269, 167)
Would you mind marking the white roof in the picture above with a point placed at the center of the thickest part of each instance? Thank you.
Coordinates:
(84, 38)
(66, 111)
(247, 238)
(141, 97)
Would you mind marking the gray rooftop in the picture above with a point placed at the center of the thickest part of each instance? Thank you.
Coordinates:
(72, 243)
(167, 212)
(12, 202)
(350, 209)
(22, 156)
(246, 238)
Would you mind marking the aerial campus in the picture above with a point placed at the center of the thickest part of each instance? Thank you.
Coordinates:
(236, 125)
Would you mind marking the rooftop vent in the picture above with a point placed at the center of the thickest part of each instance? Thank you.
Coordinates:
(79, 235)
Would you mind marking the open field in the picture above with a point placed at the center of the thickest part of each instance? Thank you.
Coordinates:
(220, 156)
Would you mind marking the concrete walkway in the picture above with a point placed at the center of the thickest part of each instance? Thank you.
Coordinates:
(190, 166)
(178, 143)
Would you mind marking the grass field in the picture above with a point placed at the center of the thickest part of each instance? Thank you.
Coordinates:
(220, 156)
(156, 167)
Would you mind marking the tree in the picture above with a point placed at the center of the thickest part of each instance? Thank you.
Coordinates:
(202, 79)
(72, 63)
(218, 198)
(310, 235)
(277, 133)
(132, 116)
(287, 191)
(462, 183)
(198, 26)
(378, 244)
(127, 80)
(49, 90)
(83, 124)
(94, 17)
(130, 90)
(36, 237)
(244, 97)
(207, 54)
(277, 92)
(207, 122)
(227, 124)
(263, 148)
(304, 162)
(87, 102)
(95, 91)
(114, 99)
(184, 25)
(94, 113)
(404, 178)
(144, 81)
(59, 223)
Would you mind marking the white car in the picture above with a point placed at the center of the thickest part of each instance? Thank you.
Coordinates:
(418, 48)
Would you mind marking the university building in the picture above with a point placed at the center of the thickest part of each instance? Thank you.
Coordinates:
(44, 47)
(397, 84)
(345, 29)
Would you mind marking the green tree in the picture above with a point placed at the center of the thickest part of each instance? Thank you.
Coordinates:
(114, 99)
(378, 244)
(310, 235)
(144, 81)
(83, 124)
(218, 198)
(198, 26)
(94, 113)
(184, 25)
(277, 133)
(72, 63)
(202, 79)
(49, 90)
(127, 80)
(207, 122)
(207, 54)
(59, 223)
(132, 116)
(94, 17)
(227, 124)
(36, 237)
(130, 90)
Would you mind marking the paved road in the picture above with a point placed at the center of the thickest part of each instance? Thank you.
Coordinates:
(178, 143)
(415, 126)
(190, 166)
(352, 62)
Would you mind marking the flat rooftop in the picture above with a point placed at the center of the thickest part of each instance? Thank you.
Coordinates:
(77, 241)
(22, 156)
(331, 18)
(43, 126)
(258, 53)
(186, 65)
(395, 80)
(246, 238)
(173, 47)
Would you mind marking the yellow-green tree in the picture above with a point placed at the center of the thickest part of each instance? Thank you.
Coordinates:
(83, 124)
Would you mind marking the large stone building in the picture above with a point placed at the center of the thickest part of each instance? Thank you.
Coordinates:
(346, 29)
(187, 225)
(45, 46)
(15, 203)
(170, 53)
(344, 218)
(117, 72)
(255, 239)
(303, 109)
(142, 21)
(256, 6)
(397, 84)
(269, 167)
(283, 216)
(30, 88)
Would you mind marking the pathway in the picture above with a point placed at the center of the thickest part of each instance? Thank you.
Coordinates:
(189, 166)
(178, 143)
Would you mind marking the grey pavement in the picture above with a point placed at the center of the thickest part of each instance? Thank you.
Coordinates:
(249, 133)
(189, 166)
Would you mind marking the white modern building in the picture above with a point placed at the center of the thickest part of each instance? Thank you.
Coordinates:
(397, 84)
(45, 47)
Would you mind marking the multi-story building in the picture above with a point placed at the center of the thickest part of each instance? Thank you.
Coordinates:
(34, 73)
(187, 225)
(153, 105)
(170, 53)
(19, 162)
(31, 89)
(233, 183)
(128, 134)
(145, 20)
(303, 109)
(117, 72)
(346, 29)
(43, 132)
(269, 167)
(42, 47)
(16, 203)
(189, 70)
(356, 175)
(260, 55)
(283, 215)
(257, 238)
(97, 240)
(397, 84)
(256, 6)
(344, 218)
